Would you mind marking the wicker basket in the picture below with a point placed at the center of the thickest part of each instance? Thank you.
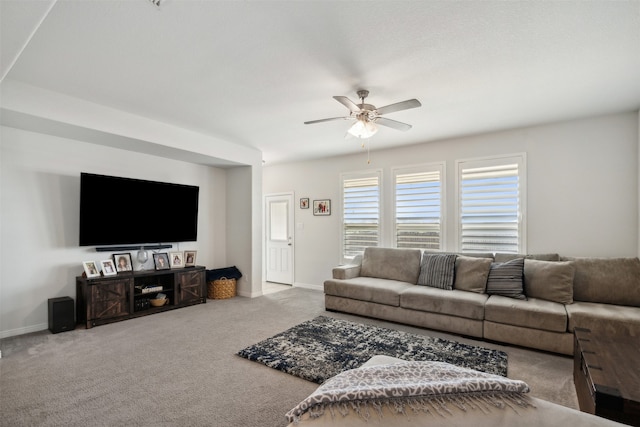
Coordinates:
(222, 288)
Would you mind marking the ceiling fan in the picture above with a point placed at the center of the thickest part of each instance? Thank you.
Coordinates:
(367, 116)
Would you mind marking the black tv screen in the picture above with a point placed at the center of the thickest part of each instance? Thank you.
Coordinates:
(117, 211)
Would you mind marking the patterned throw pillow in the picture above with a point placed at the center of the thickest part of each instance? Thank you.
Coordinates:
(437, 270)
(506, 279)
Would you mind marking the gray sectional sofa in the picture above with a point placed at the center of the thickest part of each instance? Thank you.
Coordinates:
(477, 294)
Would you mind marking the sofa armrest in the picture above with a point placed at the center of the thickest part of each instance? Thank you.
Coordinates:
(348, 271)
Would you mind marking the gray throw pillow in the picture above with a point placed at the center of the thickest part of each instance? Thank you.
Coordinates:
(506, 279)
(437, 271)
(472, 274)
(551, 281)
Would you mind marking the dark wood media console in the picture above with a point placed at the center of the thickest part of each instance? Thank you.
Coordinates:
(108, 299)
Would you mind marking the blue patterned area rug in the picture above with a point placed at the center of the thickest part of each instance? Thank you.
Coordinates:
(318, 349)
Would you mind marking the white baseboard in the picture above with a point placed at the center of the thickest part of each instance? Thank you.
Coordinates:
(24, 330)
(308, 286)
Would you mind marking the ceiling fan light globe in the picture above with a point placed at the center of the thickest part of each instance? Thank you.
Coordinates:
(363, 129)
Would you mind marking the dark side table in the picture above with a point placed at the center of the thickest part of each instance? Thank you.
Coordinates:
(606, 373)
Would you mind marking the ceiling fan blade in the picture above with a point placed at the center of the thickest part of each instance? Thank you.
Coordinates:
(347, 103)
(399, 106)
(326, 120)
(393, 124)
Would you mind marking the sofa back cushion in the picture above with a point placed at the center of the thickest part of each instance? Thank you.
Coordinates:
(390, 263)
(607, 280)
(437, 270)
(472, 273)
(548, 280)
(503, 257)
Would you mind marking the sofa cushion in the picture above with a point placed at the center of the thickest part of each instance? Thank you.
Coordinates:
(389, 263)
(471, 273)
(533, 313)
(437, 270)
(607, 280)
(552, 281)
(506, 279)
(502, 257)
(381, 291)
(604, 318)
(456, 303)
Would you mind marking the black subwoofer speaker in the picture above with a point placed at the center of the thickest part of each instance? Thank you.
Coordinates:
(61, 314)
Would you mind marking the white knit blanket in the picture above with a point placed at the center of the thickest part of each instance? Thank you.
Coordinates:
(420, 386)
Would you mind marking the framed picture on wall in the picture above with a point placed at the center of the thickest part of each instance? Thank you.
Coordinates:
(322, 207)
(304, 203)
(190, 258)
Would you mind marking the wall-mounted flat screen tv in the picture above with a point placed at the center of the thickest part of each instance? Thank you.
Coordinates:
(117, 211)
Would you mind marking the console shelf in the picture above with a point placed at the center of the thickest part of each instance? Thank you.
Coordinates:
(108, 299)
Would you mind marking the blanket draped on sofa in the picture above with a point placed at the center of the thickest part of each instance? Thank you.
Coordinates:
(419, 386)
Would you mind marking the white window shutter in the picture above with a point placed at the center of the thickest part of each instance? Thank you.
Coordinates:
(490, 202)
(418, 210)
(361, 214)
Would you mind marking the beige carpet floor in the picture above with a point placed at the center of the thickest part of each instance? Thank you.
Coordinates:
(179, 368)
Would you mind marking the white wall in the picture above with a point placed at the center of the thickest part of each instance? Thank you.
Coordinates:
(39, 194)
(582, 188)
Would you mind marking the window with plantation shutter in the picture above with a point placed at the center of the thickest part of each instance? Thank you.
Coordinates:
(360, 213)
(418, 212)
(491, 204)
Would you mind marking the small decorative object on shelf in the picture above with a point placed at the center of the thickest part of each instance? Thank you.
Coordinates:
(108, 269)
(177, 259)
(147, 289)
(142, 257)
(190, 258)
(123, 262)
(90, 269)
(161, 261)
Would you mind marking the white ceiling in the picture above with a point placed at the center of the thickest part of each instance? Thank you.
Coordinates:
(251, 72)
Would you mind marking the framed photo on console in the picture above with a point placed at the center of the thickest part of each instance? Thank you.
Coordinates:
(108, 269)
(190, 258)
(176, 260)
(123, 262)
(322, 207)
(90, 269)
(161, 261)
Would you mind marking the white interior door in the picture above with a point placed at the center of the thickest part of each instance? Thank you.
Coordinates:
(279, 235)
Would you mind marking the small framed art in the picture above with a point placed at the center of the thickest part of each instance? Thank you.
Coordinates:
(161, 261)
(190, 258)
(108, 268)
(304, 203)
(322, 207)
(123, 262)
(176, 259)
(91, 269)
